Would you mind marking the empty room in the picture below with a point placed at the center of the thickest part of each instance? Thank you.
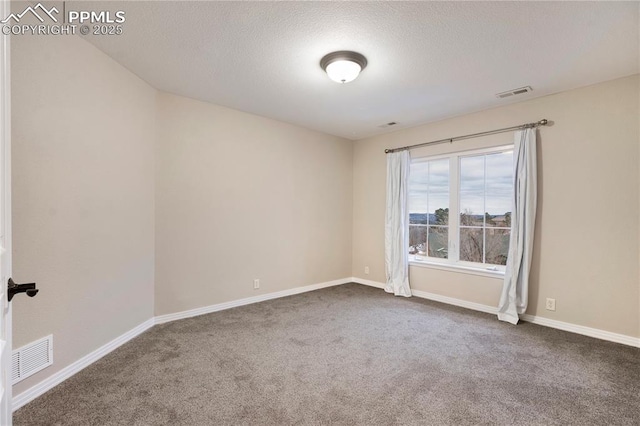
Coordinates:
(309, 213)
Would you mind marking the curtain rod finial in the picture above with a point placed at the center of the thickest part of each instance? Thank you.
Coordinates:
(543, 122)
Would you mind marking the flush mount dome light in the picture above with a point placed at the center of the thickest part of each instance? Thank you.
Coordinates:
(343, 66)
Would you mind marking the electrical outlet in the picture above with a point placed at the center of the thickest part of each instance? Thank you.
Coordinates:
(366, 270)
(551, 304)
(256, 284)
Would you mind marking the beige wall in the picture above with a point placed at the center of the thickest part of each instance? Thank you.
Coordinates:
(83, 206)
(240, 197)
(111, 178)
(586, 254)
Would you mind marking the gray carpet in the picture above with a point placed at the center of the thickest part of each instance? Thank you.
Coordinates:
(350, 355)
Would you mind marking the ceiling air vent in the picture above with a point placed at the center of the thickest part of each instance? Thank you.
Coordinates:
(389, 124)
(513, 92)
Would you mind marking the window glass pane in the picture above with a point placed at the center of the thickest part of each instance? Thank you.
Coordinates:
(468, 218)
(471, 244)
(418, 240)
(497, 241)
(439, 175)
(439, 192)
(418, 186)
(472, 191)
(439, 209)
(499, 188)
(439, 241)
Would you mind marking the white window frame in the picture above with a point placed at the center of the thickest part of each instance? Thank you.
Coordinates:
(452, 262)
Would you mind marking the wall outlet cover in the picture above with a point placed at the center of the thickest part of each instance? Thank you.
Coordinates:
(551, 304)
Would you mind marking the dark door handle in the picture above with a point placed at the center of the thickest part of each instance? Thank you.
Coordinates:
(14, 289)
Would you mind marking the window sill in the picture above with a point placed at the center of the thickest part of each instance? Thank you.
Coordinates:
(457, 268)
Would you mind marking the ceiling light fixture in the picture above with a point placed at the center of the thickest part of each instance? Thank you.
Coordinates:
(343, 66)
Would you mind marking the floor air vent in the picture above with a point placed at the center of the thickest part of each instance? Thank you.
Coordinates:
(518, 91)
(31, 358)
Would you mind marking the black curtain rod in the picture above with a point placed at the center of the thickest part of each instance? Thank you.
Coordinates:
(542, 122)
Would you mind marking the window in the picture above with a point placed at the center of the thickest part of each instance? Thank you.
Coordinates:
(429, 208)
(478, 186)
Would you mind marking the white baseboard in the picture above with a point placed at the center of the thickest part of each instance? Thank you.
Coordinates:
(247, 301)
(560, 325)
(370, 283)
(580, 329)
(62, 375)
(456, 302)
(57, 378)
(435, 297)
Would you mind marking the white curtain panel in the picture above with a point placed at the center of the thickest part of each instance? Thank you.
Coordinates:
(396, 235)
(514, 298)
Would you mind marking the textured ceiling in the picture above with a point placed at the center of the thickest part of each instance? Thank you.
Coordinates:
(427, 61)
